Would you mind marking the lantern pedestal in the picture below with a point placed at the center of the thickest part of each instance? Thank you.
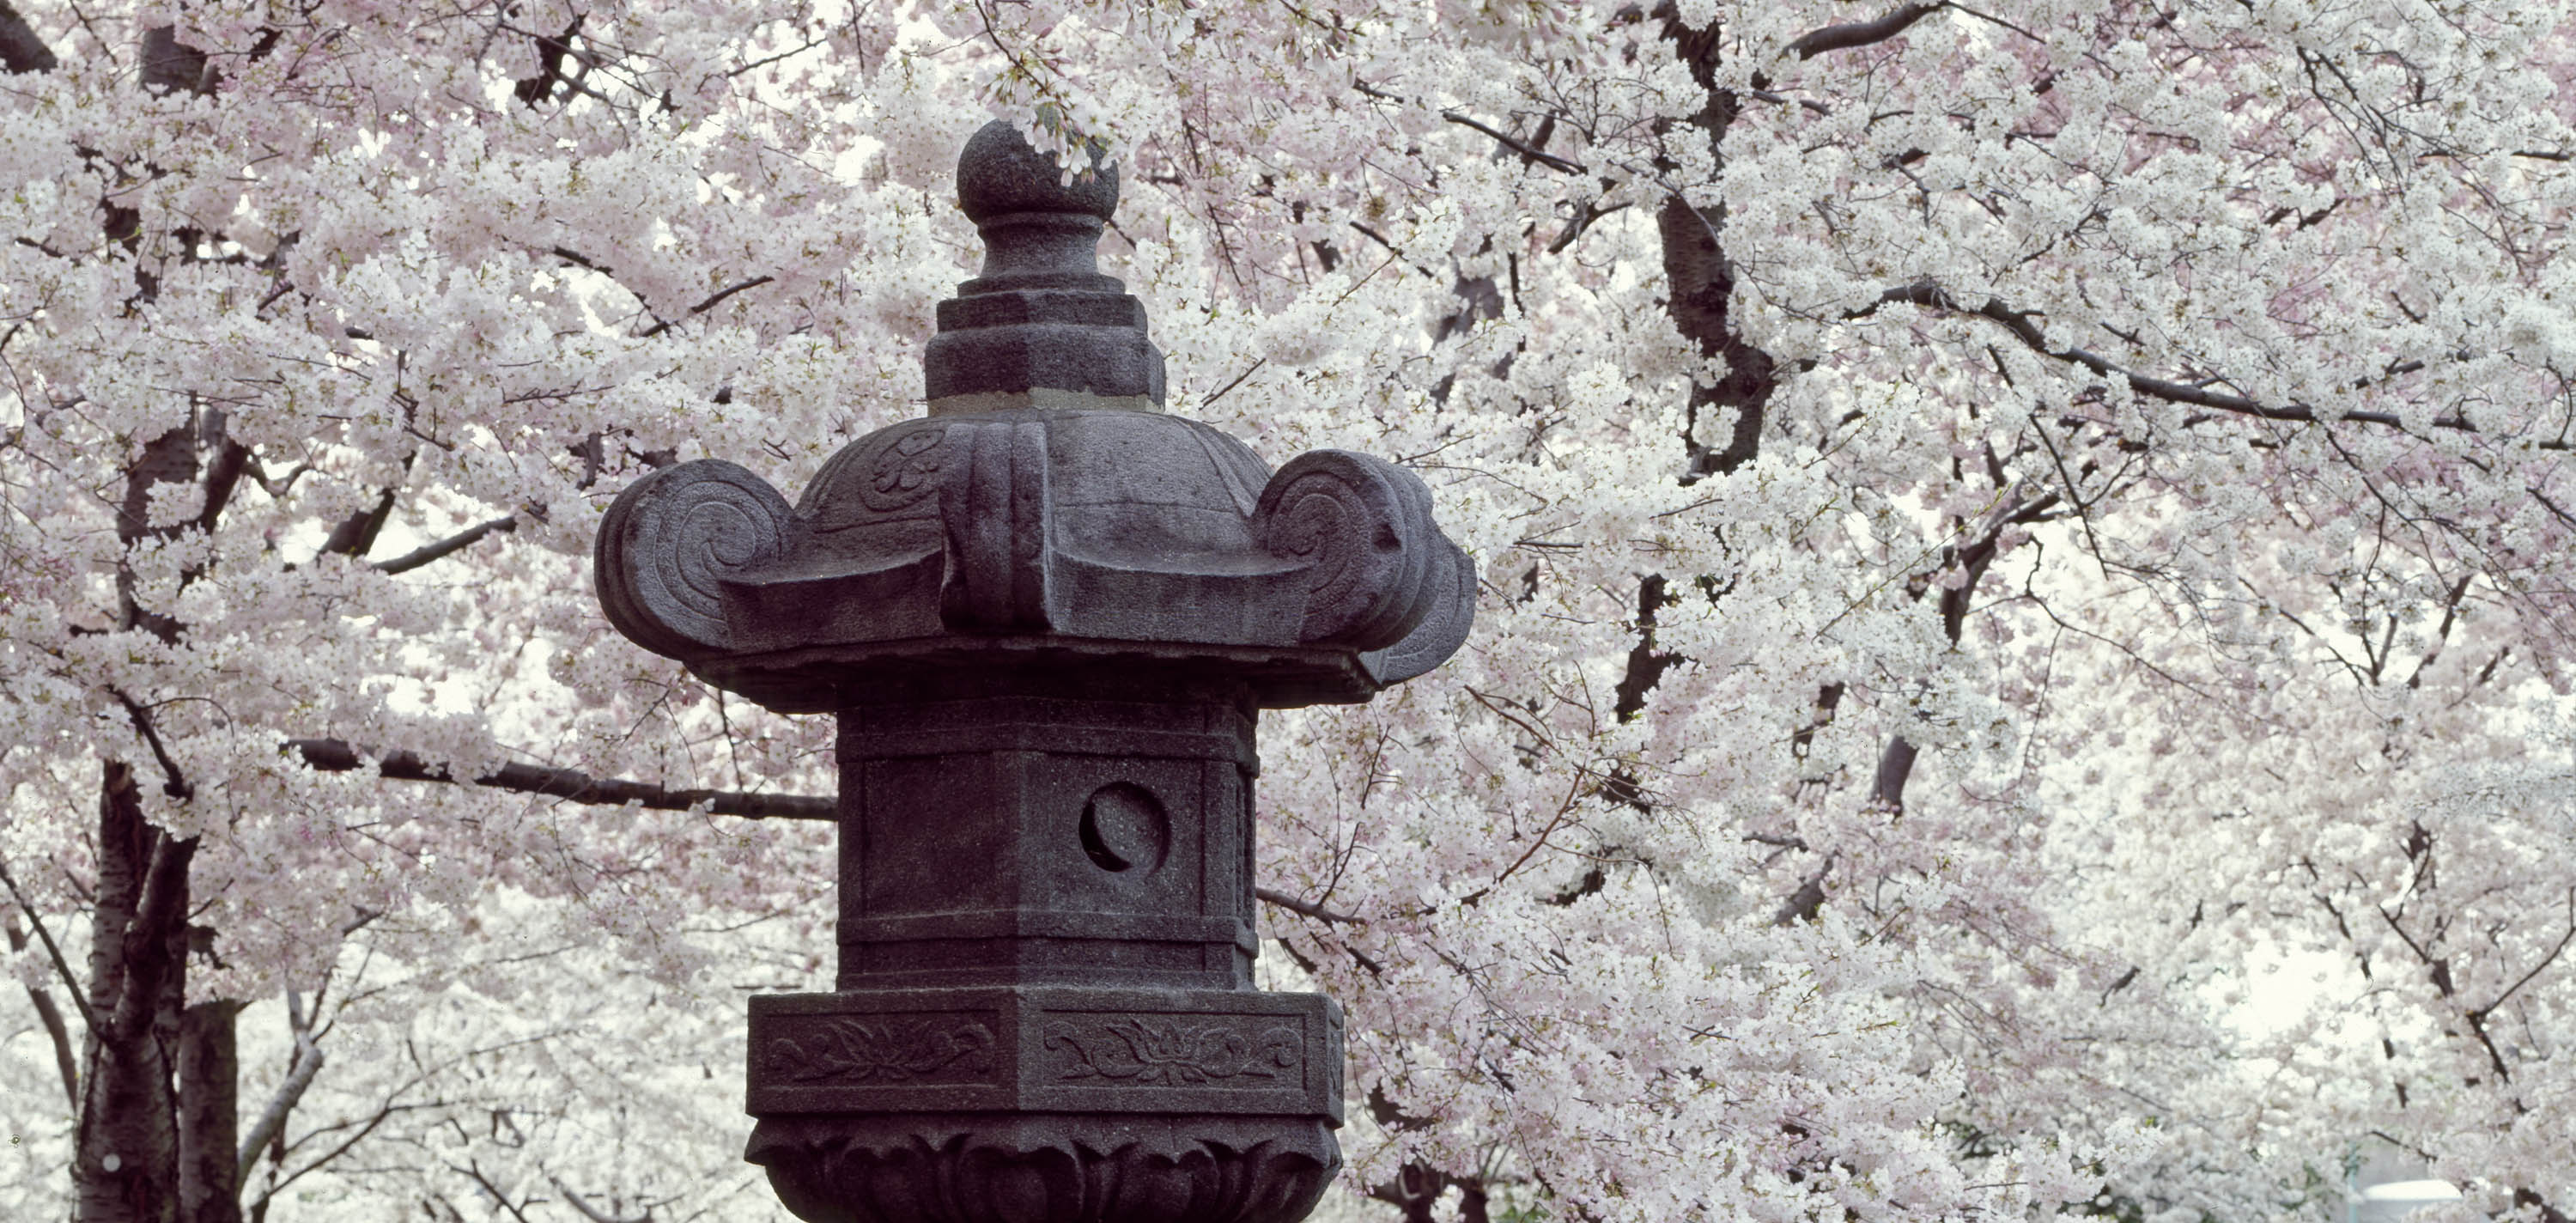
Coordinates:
(1046, 1104)
(1046, 1168)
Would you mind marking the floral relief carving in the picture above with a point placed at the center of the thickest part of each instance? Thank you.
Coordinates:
(949, 1168)
(882, 1050)
(904, 469)
(1172, 1052)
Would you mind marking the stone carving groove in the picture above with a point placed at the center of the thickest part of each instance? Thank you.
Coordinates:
(886, 1050)
(1122, 828)
(1173, 1052)
(994, 500)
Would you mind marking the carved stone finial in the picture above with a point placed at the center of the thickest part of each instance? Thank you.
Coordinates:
(1040, 327)
(1001, 173)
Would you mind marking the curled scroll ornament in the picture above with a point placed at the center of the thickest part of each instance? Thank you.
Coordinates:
(670, 539)
(1363, 527)
(1452, 593)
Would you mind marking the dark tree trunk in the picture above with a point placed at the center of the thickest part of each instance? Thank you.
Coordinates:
(1703, 290)
(1702, 278)
(155, 1103)
(21, 50)
(1700, 283)
(157, 1125)
(125, 1166)
(209, 1119)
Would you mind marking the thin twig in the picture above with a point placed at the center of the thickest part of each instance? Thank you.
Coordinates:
(709, 304)
(1550, 160)
(2545, 961)
(1238, 381)
(1310, 909)
(2196, 394)
(1380, 239)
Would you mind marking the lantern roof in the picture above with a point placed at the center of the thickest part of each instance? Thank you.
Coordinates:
(1045, 508)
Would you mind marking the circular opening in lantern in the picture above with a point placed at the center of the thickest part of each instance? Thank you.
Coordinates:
(1123, 829)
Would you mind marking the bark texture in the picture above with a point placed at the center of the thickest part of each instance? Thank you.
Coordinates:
(209, 1074)
(126, 1155)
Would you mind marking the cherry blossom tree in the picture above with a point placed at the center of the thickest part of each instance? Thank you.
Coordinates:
(1999, 523)
(282, 281)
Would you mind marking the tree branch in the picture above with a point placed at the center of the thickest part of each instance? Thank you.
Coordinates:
(2545, 961)
(1248, 371)
(357, 533)
(1852, 34)
(709, 304)
(277, 1184)
(1802, 904)
(50, 1015)
(589, 1211)
(222, 477)
(474, 1169)
(173, 783)
(60, 1034)
(1309, 909)
(551, 49)
(1895, 768)
(458, 542)
(1550, 160)
(1932, 297)
(335, 756)
(53, 950)
(299, 1076)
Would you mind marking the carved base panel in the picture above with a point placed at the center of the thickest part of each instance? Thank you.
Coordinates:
(1046, 1049)
(1046, 1167)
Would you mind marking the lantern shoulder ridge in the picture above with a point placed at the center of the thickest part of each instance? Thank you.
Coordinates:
(1139, 532)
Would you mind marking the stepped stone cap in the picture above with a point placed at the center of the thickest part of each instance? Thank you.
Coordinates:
(1040, 327)
(1046, 511)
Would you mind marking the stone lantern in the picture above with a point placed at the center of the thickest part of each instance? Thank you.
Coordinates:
(1048, 616)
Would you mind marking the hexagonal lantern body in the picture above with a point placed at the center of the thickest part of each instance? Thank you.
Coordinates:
(1048, 616)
